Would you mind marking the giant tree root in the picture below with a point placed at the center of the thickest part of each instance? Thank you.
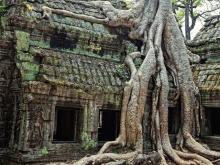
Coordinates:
(130, 159)
(163, 49)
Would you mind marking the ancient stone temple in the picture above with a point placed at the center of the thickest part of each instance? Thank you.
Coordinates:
(207, 78)
(62, 79)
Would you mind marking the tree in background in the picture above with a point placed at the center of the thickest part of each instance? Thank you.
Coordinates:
(188, 12)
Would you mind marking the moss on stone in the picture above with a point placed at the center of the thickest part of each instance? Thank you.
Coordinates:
(23, 40)
(209, 47)
(28, 77)
(39, 44)
(213, 59)
(22, 56)
(28, 70)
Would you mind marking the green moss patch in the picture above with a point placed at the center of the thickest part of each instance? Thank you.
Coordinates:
(23, 40)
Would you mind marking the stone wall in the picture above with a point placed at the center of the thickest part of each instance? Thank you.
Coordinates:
(9, 78)
(64, 62)
(80, 73)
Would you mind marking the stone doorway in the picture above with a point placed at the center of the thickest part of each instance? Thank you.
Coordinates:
(109, 124)
(66, 125)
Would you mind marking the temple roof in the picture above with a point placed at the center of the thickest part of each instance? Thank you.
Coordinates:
(72, 70)
(207, 77)
(80, 71)
(211, 29)
(207, 45)
(208, 38)
(65, 51)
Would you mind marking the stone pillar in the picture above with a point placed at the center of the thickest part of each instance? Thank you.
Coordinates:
(85, 119)
(48, 125)
(90, 119)
(205, 123)
(24, 124)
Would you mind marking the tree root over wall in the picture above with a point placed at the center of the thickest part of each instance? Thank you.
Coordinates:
(153, 22)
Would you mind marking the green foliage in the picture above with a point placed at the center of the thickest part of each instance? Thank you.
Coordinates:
(174, 1)
(188, 11)
(198, 2)
(181, 5)
(195, 3)
(130, 47)
(121, 71)
(43, 151)
(87, 142)
(138, 62)
(180, 16)
(28, 7)
(129, 3)
(2, 10)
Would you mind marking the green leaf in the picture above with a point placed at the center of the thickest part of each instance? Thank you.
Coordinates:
(180, 15)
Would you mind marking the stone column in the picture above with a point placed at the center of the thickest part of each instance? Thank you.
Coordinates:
(90, 119)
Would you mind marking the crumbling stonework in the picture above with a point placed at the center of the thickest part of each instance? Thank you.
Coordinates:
(48, 64)
(207, 78)
(62, 62)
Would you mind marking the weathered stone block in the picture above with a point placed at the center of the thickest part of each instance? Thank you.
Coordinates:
(23, 39)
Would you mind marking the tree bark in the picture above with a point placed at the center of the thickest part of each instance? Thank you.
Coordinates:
(187, 27)
(153, 22)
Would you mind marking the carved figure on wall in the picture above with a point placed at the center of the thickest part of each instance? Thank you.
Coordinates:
(36, 135)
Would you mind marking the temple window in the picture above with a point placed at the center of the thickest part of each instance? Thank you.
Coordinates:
(66, 125)
(61, 41)
(109, 123)
(212, 121)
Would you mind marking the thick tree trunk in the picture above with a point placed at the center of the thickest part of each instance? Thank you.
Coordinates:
(153, 22)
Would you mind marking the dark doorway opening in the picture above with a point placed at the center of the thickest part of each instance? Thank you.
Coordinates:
(109, 124)
(60, 40)
(174, 117)
(66, 127)
(213, 116)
